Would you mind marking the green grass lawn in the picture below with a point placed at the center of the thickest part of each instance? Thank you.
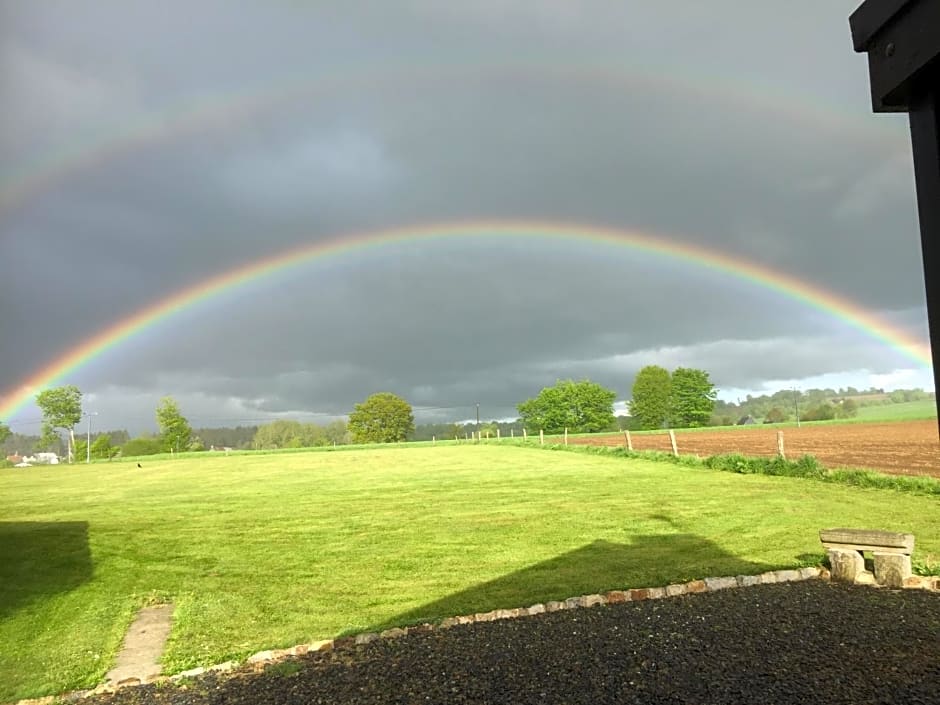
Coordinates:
(908, 411)
(265, 551)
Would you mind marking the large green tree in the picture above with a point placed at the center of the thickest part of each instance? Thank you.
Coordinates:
(4, 432)
(61, 407)
(581, 407)
(693, 398)
(382, 418)
(652, 395)
(175, 431)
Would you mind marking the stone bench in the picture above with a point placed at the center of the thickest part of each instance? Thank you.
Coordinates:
(890, 550)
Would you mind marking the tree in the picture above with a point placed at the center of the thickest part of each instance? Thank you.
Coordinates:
(382, 418)
(581, 407)
(336, 432)
(175, 430)
(775, 415)
(693, 397)
(822, 412)
(652, 392)
(101, 447)
(283, 433)
(5, 432)
(142, 446)
(61, 407)
(846, 409)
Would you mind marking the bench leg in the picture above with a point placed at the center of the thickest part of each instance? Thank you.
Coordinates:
(846, 564)
(891, 569)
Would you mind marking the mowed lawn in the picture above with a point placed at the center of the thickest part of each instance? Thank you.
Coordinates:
(266, 551)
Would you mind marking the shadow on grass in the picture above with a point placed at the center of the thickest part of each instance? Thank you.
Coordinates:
(649, 561)
(40, 559)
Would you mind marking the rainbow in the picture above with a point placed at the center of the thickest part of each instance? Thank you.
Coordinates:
(223, 112)
(789, 286)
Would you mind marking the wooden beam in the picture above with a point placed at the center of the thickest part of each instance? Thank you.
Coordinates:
(925, 139)
(904, 46)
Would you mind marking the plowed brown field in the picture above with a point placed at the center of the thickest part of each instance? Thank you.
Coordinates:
(898, 447)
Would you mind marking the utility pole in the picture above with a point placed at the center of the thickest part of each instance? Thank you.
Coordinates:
(796, 404)
(478, 423)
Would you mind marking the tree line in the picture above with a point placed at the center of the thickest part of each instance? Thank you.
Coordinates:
(683, 398)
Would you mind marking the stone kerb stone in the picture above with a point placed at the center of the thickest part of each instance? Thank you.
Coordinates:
(714, 584)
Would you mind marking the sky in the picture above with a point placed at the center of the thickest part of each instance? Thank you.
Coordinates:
(144, 152)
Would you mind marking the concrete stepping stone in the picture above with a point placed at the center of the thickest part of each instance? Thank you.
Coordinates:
(143, 645)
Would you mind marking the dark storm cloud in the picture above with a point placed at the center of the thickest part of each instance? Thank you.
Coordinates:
(699, 125)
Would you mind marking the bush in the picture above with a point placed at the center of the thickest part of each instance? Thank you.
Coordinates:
(823, 412)
(142, 446)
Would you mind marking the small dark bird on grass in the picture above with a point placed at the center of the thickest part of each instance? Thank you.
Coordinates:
(138, 464)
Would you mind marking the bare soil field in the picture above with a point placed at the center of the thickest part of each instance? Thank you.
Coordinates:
(897, 447)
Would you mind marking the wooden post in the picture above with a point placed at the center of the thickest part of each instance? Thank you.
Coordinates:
(497, 433)
(626, 436)
(566, 435)
(433, 440)
(780, 451)
(525, 435)
(512, 433)
(541, 437)
(672, 439)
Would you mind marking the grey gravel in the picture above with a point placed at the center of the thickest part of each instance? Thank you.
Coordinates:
(785, 643)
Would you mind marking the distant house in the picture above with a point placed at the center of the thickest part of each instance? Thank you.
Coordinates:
(41, 459)
(15, 458)
(746, 420)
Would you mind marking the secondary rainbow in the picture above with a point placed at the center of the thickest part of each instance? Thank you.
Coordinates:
(221, 112)
(785, 284)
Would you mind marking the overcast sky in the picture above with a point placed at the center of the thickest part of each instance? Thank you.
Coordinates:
(145, 147)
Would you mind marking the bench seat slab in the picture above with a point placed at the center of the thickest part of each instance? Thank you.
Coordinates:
(868, 540)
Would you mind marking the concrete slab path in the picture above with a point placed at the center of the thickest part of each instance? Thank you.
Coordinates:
(143, 645)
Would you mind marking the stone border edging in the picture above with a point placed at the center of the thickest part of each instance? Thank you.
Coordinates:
(262, 658)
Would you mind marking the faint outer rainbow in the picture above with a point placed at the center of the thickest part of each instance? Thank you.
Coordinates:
(221, 112)
(785, 284)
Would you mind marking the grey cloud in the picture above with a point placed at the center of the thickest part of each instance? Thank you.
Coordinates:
(290, 124)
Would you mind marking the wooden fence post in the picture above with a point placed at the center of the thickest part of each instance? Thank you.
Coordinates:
(780, 450)
(541, 437)
(497, 433)
(629, 441)
(566, 435)
(512, 433)
(672, 439)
